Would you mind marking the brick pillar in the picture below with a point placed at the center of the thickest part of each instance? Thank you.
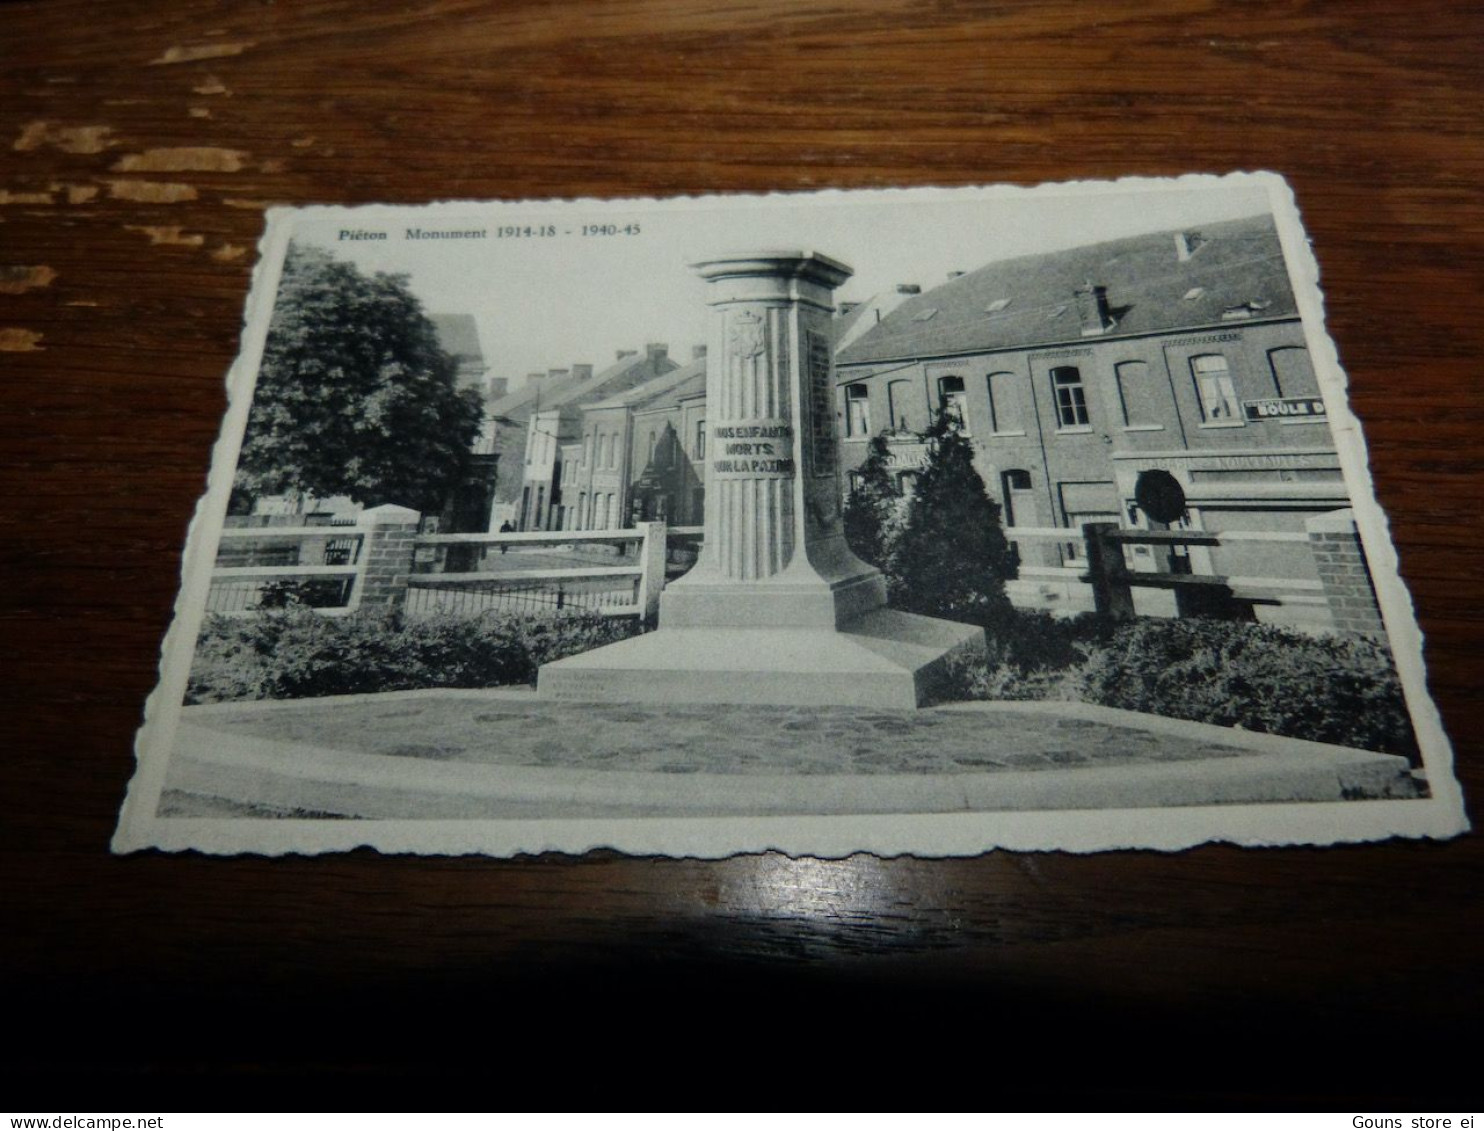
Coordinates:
(386, 556)
(1335, 542)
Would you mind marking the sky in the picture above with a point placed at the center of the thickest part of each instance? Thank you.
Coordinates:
(546, 302)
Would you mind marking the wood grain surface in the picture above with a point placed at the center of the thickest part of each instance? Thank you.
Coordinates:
(139, 144)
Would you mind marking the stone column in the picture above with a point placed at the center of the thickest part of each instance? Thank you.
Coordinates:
(777, 611)
(774, 552)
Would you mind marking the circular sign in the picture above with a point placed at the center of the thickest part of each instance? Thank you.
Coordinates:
(1160, 495)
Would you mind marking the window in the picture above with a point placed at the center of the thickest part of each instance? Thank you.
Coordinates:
(1013, 484)
(1082, 503)
(649, 459)
(1293, 376)
(701, 439)
(587, 450)
(899, 400)
(1132, 378)
(1213, 383)
(953, 401)
(857, 411)
(1071, 398)
(1004, 402)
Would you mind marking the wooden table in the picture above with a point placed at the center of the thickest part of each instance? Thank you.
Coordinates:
(140, 143)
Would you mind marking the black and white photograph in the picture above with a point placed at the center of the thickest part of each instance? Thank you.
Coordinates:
(918, 521)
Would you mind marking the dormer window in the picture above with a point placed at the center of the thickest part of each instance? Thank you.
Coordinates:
(998, 305)
(924, 315)
(1245, 309)
(1193, 294)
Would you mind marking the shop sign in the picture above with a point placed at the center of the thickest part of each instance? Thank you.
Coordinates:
(1282, 408)
(902, 456)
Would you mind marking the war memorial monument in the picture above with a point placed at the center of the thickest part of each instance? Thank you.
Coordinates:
(777, 610)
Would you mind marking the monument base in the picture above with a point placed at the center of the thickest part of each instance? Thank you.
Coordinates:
(882, 659)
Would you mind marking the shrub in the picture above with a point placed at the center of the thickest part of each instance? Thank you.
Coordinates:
(1030, 655)
(872, 518)
(951, 559)
(295, 653)
(1261, 677)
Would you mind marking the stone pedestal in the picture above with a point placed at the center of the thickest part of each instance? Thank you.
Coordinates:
(777, 609)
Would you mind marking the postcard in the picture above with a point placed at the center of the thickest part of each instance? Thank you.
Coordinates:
(928, 521)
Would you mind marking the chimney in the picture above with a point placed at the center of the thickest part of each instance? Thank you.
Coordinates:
(623, 355)
(582, 372)
(908, 289)
(1186, 244)
(556, 374)
(697, 352)
(497, 387)
(656, 351)
(1092, 308)
(535, 379)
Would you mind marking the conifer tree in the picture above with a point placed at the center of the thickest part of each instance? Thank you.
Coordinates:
(872, 515)
(952, 558)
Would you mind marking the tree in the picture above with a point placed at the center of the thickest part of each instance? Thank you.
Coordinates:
(355, 396)
(872, 514)
(952, 558)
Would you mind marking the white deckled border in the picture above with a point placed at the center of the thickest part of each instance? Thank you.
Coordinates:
(1441, 815)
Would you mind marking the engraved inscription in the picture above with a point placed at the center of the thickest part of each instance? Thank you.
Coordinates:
(759, 449)
(821, 408)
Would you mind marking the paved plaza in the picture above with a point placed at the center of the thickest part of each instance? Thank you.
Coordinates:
(507, 753)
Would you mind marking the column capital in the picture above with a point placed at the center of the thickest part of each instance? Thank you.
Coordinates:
(775, 263)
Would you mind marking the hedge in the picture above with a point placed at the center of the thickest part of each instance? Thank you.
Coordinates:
(295, 653)
(1334, 689)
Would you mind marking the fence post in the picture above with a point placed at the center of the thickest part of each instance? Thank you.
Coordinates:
(652, 566)
(389, 532)
(1108, 572)
(1340, 559)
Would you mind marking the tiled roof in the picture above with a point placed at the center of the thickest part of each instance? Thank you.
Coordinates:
(618, 377)
(571, 391)
(1029, 301)
(662, 391)
(518, 403)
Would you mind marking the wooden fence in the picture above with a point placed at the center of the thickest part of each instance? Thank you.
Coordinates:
(384, 563)
(261, 567)
(626, 580)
